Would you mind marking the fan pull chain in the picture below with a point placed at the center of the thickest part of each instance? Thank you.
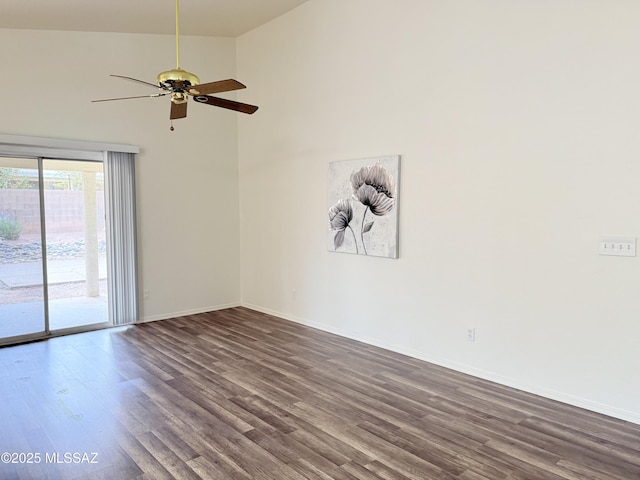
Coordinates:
(171, 127)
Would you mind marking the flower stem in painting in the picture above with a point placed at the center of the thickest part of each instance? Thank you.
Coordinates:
(355, 242)
(364, 247)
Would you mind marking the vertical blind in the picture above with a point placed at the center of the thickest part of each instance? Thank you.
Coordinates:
(119, 168)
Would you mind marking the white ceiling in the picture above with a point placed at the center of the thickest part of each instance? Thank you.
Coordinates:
(226, 18)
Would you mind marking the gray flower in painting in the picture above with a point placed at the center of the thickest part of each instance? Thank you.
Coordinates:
(340, 216)
(374, 187)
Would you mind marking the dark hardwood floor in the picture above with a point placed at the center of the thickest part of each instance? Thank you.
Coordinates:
(241, 395)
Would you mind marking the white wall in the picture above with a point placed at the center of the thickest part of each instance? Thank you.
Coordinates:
(187, 179)
(517, 122)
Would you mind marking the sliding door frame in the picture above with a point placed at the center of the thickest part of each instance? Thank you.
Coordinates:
(43, 249)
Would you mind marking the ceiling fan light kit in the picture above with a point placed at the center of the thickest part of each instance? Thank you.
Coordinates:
(180, 84)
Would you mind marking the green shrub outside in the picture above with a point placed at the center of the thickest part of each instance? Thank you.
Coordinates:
(10, 229)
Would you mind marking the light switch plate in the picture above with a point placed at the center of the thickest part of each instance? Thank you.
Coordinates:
(619, 246)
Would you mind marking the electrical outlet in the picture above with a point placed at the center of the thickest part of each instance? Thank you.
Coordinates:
(471, 334)
(146, 294)
(618, 246)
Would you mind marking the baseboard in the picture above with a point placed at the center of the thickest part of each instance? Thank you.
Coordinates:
(166, 316)
(562, 397)
(608, 410)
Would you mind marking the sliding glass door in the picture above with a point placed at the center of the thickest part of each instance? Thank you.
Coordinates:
(53, 268)
(22, 287)
(76, 243)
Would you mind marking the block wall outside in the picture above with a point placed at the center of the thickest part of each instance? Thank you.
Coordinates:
(64, 209)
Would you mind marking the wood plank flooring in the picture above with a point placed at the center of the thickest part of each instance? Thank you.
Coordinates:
(239, 395)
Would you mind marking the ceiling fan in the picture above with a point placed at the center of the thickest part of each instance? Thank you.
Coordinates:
(180, 84)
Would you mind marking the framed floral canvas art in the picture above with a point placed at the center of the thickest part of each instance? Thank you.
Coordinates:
(363, 206)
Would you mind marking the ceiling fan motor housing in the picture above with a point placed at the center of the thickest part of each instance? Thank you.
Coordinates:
(177, 79)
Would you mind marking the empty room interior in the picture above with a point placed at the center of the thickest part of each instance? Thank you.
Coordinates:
(468, 309)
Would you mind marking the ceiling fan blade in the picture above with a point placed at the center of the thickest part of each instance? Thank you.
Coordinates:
(136, 80)
(178, 110)
(224, 103)
(216, 87)
(128, 98)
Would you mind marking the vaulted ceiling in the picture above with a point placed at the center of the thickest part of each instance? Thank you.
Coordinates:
(226, 18)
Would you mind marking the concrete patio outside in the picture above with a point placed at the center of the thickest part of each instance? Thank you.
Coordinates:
(28, 317)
